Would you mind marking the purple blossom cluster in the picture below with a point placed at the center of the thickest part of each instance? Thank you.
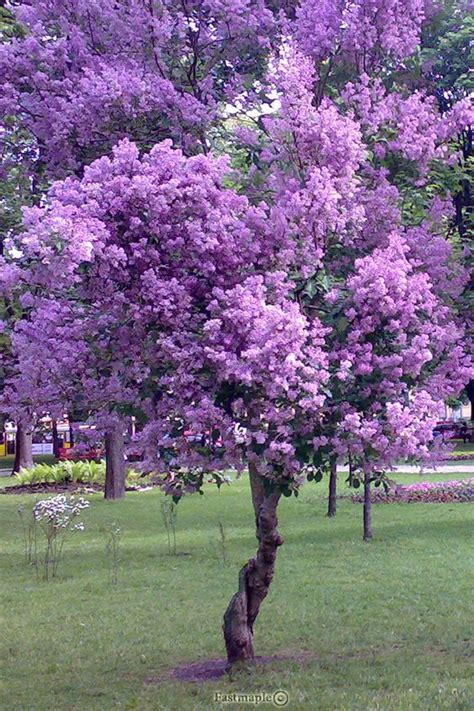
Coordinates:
(84, 75)
(360, 30)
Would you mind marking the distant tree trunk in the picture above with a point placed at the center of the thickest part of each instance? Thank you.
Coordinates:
(71, 432)
(255, 577)
(470, 394)
(114, 464)
(55, 438)
(332, 487)
(23, 447)
(367, 508)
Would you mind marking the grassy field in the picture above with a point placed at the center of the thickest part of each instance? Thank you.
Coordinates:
(385, 625)
(464, 448)
(8, 461)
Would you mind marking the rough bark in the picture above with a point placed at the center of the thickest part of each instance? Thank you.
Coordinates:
(23, 447)
(254, 578)
(470, 394)
(367, 508)
(55, 438)
(332, 487)
(114, 464)
(71, 433)
(257, 490)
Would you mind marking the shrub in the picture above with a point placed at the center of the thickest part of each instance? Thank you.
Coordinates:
(83, 472)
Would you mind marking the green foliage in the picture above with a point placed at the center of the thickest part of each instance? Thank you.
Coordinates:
(87, 472)
(378, 479)
(9, 27)
(448, 51)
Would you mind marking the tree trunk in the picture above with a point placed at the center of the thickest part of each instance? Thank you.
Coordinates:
(23, 447)
(114, 464)
(470, 394)
(332, 487)
(255, 577)
(367, 508)
(55, 438)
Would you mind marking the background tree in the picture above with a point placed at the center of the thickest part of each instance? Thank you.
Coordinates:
(447, 56)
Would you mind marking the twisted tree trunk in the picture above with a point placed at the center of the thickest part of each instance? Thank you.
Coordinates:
(367, 507)
(255, 577)
(114, 464)
(332, 487)
(23, 447)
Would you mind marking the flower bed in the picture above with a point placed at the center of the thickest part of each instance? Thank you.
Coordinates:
(454, 457)
(67, 488)
(425, 492)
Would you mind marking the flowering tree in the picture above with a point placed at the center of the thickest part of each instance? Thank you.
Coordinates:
(399, 357)
(177, 267)
(313, 318)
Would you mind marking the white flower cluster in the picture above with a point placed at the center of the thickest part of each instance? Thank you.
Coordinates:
(60, 510)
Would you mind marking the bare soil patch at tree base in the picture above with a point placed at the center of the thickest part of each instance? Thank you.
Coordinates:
(209, 669)
(68, 488)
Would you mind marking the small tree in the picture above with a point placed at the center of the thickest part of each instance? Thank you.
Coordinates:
(398, 358)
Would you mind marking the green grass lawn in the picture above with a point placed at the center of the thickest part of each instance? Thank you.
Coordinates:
(386, 625)
(464, 448)
(8, 461)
